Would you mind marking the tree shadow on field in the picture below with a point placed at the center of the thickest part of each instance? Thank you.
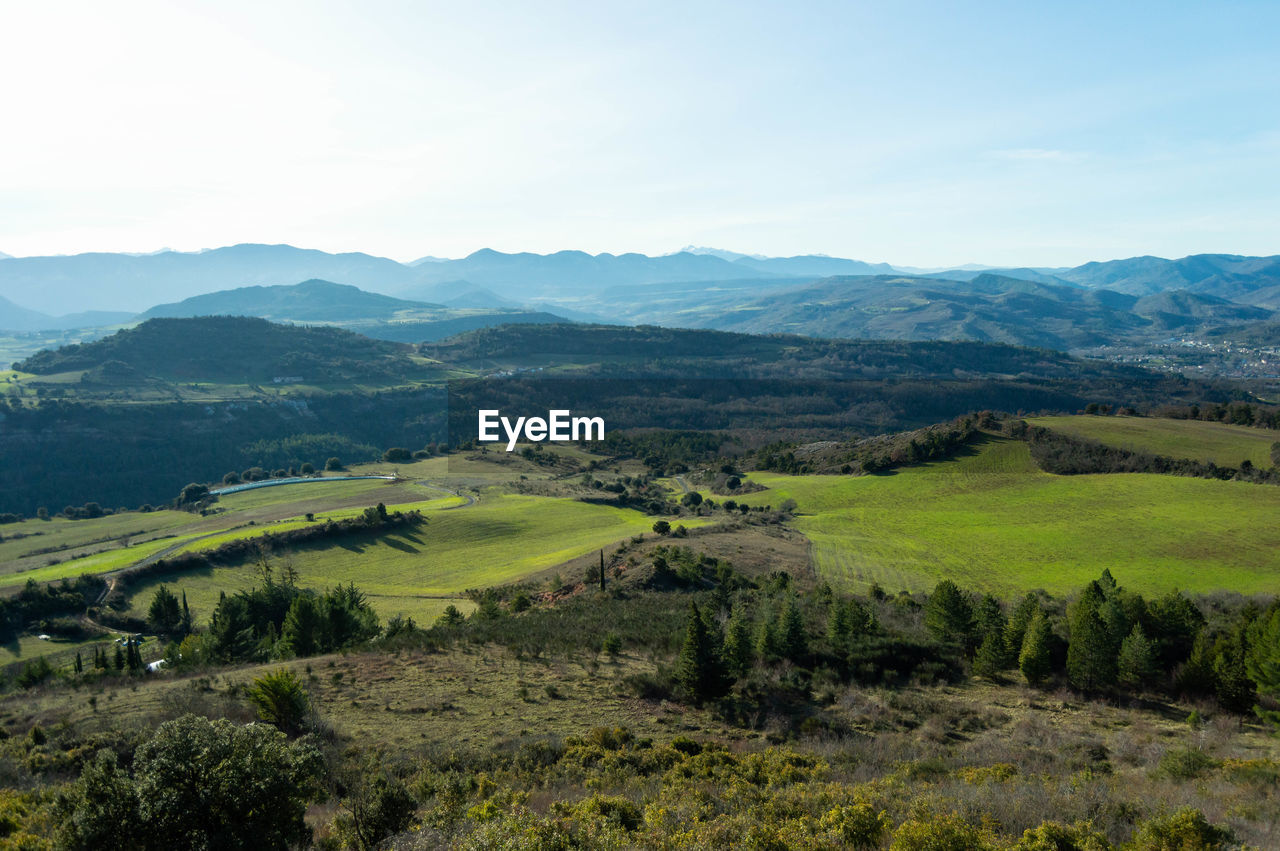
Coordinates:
(401, 545)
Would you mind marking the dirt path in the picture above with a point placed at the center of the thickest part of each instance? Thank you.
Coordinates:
(470, 500)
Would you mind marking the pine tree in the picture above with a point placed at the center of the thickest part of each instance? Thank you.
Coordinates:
(165, 615)
(303, 629)
(990, 658)
(949, 614)
(990, 616)
(793, 639)
(1091, 660)
(1016, 630)
(1116, 620)
(1263, 663)
(768, 640)
(699, 668)
(738, 649)
(838, 626)
(1232, 685)
(1034, 660)
(1136, 665)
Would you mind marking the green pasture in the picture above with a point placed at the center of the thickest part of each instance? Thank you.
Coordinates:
(992, 520)
(1224, 445)
(498, 540)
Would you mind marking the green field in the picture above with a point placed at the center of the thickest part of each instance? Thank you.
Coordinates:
(106, 544)
(1224, 445)
(501, 539)
(994, 521)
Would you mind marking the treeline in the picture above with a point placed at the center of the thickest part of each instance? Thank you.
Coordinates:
(1232, 413)
(879, 453)
(374, 519)
(726, 651)
(1063, 454)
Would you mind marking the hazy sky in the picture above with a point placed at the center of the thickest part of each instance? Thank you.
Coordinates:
(914, 133)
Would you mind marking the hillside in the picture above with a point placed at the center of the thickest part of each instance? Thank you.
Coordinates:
(309, 301)
(228, 349)
(14, 317)
(989, 308)
(1209, 442)
(1249, 280)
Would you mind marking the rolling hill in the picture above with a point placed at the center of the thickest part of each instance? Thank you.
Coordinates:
(14, 317)
(228, 349)
(989, 307)
(309, 301)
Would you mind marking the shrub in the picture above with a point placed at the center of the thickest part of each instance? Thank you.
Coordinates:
(1052, 836)
(857, 825)
(941, 833)
(281, 700)
(1186, 763)
(1185, 830)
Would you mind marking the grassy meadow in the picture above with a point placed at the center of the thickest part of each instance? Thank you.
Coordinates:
(502, 538)
(1224, 445)
(992, 520)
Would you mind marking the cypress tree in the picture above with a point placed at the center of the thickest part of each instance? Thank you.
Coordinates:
(700, 669)
(1034, 659)
(119, 660)
(186, 625)
(79, 663)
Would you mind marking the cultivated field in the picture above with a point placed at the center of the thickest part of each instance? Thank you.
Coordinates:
(1224, 445)
(992, 520)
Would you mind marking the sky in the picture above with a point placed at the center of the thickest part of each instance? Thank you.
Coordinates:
(926, 134)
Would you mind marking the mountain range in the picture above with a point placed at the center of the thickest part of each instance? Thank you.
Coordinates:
(1134, 300)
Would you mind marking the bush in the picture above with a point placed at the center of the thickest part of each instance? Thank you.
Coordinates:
(1052, 836)
(196, 784)
(397, 454)
(942, 833)
(1186, 763)
(1185, 830)
(281, 700)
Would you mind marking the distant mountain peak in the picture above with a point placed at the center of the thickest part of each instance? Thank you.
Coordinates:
(719, 252)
